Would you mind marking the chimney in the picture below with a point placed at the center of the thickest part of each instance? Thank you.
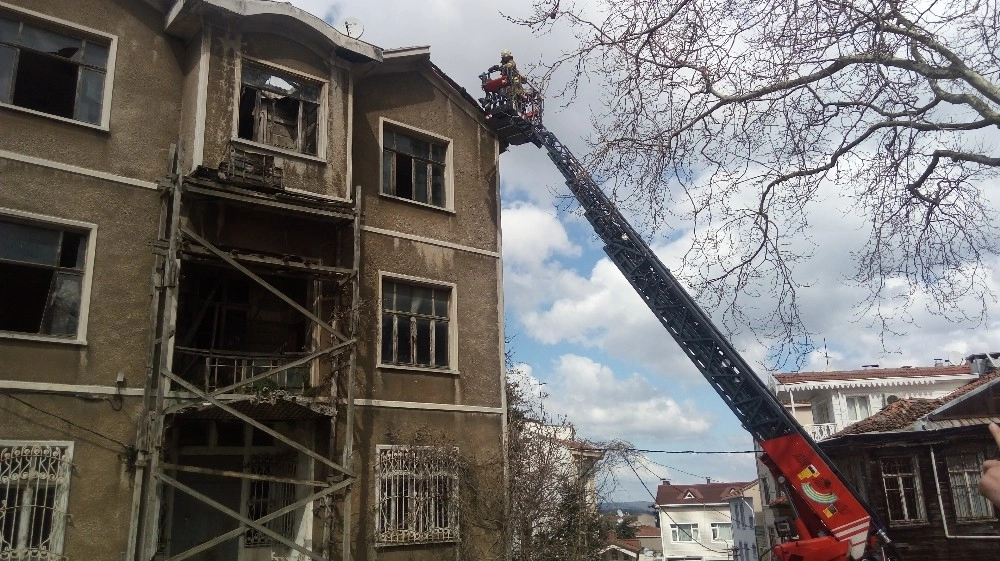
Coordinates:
(938, 362)
(665, 481)
(708, 480)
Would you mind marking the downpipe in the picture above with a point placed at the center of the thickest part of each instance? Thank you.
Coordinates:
(944, 519)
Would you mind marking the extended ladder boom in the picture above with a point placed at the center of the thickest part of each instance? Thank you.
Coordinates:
(825, 504)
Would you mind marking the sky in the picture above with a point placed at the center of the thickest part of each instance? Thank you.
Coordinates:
(578, 332)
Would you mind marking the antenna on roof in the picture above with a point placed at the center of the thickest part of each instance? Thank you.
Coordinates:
(352, 27)
(826, 354)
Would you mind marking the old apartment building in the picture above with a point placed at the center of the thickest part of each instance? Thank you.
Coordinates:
(251, 299)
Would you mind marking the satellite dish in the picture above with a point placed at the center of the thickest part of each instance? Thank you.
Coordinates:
(352, 27)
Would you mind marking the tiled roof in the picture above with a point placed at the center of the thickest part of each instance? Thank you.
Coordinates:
(874, 373)
(698, 493)
(647, 532)
(632, 545)
(901, 414)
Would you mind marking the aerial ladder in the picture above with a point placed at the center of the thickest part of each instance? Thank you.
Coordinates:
(831, 521)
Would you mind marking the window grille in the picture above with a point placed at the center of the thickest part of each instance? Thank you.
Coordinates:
(34, 491)
(963, 476)
(903, 495)
(417, 495)
(268, 496)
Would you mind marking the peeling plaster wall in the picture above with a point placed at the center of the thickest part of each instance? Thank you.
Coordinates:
(148, 69)
(410, 94)
(101, 482)
(416, 100)
(228, 43)
(477, 438)
(126, 219)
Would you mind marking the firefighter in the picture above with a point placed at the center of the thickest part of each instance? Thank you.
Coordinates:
(508, 67)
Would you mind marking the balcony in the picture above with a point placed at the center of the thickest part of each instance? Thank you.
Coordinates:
(213, 370)
(821, 431)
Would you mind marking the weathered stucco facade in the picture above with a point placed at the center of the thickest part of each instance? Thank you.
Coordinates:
(252, 300)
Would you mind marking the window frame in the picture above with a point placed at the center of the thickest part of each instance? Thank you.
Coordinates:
(45, 221)
(321, 119)
(387, 537)
(60, 503)
(920, 501)
(675, 532)
(421, 134)
(970, 491)
(75, 30)
(856, 399)
(452, 367)
(716, 526)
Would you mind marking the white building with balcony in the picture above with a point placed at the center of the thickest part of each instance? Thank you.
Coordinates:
(826, 402)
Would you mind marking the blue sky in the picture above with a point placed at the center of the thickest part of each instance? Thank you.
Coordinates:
(577, 327)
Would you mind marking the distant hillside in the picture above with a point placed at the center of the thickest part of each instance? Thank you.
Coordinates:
(631, 507)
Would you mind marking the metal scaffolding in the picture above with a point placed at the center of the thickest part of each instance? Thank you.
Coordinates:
(246, 392)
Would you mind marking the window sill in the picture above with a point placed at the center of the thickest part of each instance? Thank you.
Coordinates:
(84, 124)
(423, 369)
(417, 203)
(42, 338)
(275, 151)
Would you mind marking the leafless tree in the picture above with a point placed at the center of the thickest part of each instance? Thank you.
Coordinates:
(742, 116)
(555, 482)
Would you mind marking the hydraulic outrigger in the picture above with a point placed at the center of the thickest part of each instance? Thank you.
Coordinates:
(833, 522)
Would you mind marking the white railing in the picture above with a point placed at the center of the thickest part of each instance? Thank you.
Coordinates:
(821, 431)
(211, 371)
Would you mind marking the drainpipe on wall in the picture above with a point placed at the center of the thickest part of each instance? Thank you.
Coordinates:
(944, 519)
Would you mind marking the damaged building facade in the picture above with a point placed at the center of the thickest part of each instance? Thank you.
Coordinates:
(251, 303)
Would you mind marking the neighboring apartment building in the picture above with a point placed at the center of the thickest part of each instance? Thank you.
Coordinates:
(252, 295)
(745, 512)
(695, 519)
(826, 402)
(918, 464)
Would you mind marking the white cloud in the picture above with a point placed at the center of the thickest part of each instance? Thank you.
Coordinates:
(605, 406)
(533, 235)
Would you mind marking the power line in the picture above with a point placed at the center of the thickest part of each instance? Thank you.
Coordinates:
(704, 504)
(65, 420)
(665, 513)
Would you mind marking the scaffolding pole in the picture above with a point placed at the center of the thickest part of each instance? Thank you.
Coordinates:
(152, 478)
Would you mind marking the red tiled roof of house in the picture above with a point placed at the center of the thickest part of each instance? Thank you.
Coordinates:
(698, 493)
(632, 545)
(647, 532)
(900, 414)
(874, 373)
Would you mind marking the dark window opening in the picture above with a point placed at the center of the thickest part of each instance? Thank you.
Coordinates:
(52, 72)
(415, 324)
(279, 110)
(413, 168)
(230, 328)
(41, 270)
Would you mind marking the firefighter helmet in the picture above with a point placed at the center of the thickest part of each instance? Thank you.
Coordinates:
(505, 55)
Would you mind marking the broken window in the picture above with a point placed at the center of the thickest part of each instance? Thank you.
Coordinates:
(279, 109)
(52, 72)
(42, 271)
(963, 477)
(903, 495)
(417, 495)
(413, 168)
(415, 324)
(34, 490)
